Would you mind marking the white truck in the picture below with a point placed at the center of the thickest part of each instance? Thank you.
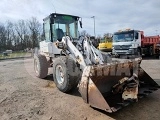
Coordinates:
(133, 42)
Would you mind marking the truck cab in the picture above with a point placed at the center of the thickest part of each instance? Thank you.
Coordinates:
(126, 42)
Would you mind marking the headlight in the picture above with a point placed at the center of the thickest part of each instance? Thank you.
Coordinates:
(129, 51)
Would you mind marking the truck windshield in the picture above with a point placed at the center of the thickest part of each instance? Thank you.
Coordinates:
(65, 25)
(123, 36)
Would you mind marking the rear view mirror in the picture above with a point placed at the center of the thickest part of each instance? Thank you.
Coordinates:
(80, 23)
(136, 36)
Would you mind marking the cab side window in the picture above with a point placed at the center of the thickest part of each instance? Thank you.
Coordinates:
(47, 30)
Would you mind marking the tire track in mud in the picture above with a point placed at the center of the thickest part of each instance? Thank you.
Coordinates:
(32, 107)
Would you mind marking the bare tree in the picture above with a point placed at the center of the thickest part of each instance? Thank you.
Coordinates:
(99, 36)
(108, 37)
(35, 31)
(20, 35)
(10, 35)
(2, 38)
(22, 31)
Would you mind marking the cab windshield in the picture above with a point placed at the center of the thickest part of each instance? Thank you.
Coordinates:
(65, 25)
(123, 37)
(104, 40)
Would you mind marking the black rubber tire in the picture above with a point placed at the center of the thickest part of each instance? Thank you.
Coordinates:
(157, 56)
(70, 72)
(41, 62)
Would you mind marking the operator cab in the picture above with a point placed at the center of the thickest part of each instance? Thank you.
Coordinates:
(58, 25)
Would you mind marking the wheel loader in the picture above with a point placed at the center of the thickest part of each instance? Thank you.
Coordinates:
(105, 44)
(103, 83)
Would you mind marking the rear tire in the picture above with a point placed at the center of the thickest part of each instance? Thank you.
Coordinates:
(66, 73)
(40, 66)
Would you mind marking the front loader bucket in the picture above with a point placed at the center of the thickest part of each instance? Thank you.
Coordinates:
(99, 83)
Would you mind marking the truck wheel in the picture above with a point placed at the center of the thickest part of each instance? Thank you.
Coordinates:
(40, 66)
(66, 73)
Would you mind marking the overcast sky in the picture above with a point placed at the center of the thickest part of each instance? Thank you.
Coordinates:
(110, 15)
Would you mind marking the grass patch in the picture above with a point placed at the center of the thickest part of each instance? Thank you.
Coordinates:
(15, 55)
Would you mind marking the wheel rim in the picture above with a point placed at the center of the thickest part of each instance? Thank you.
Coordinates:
(36, 66)
(59, 74)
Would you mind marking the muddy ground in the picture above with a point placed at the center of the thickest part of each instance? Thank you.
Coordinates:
(25, 97)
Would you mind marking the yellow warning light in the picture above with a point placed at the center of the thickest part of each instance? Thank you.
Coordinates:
(128, 29)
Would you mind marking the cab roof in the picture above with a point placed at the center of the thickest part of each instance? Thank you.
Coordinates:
(58, 14)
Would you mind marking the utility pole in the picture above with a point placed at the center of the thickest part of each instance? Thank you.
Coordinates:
(94, 26)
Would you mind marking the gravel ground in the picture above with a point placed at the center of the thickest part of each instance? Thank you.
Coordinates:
(25, 97)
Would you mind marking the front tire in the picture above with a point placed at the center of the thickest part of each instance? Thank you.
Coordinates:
(66, 73)
(40, 66)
